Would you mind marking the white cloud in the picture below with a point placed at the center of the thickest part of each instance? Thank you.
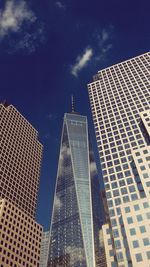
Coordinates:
(60, 5)
(82, 61)
(97, 51)
(13, 15)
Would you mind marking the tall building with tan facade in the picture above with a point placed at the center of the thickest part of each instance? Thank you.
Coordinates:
(120, 102)
(20, 160)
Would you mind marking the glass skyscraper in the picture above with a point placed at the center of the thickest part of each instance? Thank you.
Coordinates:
(120, 103)
(74, 233)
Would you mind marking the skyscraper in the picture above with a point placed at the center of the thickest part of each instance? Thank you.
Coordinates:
(44, 249)
(20, 162)
(74, 234)
(120, 102)
(20, 159)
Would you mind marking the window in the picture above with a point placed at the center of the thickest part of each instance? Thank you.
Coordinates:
(115, 233)
(142, 229)
(113, 222)
(148, 184)
(116, 192)
(109, 242)
(119, 256)
(135, 243)
(114, 185)
(113, 264)
(145, 175)
(146, 241)
(122, 183)
(108, 231)
(111, 253)
(127, 209)
(117, 201)
(117, 244)
(132, 188)
(125, 199)
(124, 190)
(148, 215)
(145, 205)
(138, 257)
(142, 168)
(139, 218)
(129, 181)
(129, 220)
(132, 231)
(140, 160)
(148, 254)
(136, 207)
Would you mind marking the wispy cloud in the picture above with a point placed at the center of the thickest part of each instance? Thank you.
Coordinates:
(104, 35)
(96, 51)
(104, 42)
(60, 5)
(52, 116)
(13, 15)
(27, 42)
(82, 61)
(20, 29)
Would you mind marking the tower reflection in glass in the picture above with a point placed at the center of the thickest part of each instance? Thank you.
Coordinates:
(74, 235)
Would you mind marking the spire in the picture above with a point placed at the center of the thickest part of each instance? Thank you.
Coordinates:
(72, 101)
(72, 105)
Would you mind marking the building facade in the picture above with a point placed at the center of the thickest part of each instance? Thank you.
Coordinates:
(120, 104)
(74, 234)
(44, 249)
(20, 162)
(20, 237)
(20, 159)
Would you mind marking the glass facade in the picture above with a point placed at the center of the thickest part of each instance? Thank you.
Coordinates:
(72, 232)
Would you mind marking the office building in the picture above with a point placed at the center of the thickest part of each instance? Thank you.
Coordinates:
(102, 258)
(20, 237)
(44, 249)
(120, 103)
(74, 234)
(20, 159)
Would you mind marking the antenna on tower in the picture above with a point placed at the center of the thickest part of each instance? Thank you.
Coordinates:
(72, 102)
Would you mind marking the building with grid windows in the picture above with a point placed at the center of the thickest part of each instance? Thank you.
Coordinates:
(20, 237)
(74, 234)
(20, 159)
(44, 249)
(120, 103)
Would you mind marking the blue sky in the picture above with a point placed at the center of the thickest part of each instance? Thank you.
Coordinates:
(49, 50)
